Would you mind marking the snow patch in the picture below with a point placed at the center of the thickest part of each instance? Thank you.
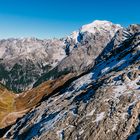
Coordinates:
(91, 113)
(105, 70)
(99, 117)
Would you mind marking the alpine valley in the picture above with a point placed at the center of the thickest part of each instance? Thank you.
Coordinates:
(82, 87)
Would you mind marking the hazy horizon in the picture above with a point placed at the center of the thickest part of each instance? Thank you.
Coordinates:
(48, 19)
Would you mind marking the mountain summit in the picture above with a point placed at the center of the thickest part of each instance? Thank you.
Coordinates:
(85, 86)
(96, 27)
(101, 26)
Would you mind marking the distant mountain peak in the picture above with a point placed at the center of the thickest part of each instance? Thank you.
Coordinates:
(100, 25)
(96, 26)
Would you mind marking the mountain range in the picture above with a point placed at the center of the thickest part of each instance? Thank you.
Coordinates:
(84, 86)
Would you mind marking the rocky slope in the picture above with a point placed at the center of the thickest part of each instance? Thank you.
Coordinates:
(23, 61)
(14, 106)
(92, 94)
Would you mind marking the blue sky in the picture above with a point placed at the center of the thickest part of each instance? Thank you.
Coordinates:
(58, 18)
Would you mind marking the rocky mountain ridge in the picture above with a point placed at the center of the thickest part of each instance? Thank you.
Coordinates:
(24, 61)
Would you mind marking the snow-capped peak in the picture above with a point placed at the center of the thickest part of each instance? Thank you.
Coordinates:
(97, 25)
(100, 25)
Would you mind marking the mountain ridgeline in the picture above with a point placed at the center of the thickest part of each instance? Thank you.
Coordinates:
(24, 61)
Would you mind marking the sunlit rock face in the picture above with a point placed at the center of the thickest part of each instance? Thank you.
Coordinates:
(91, 94)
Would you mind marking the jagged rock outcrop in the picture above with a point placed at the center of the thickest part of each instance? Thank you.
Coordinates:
(96, 100)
